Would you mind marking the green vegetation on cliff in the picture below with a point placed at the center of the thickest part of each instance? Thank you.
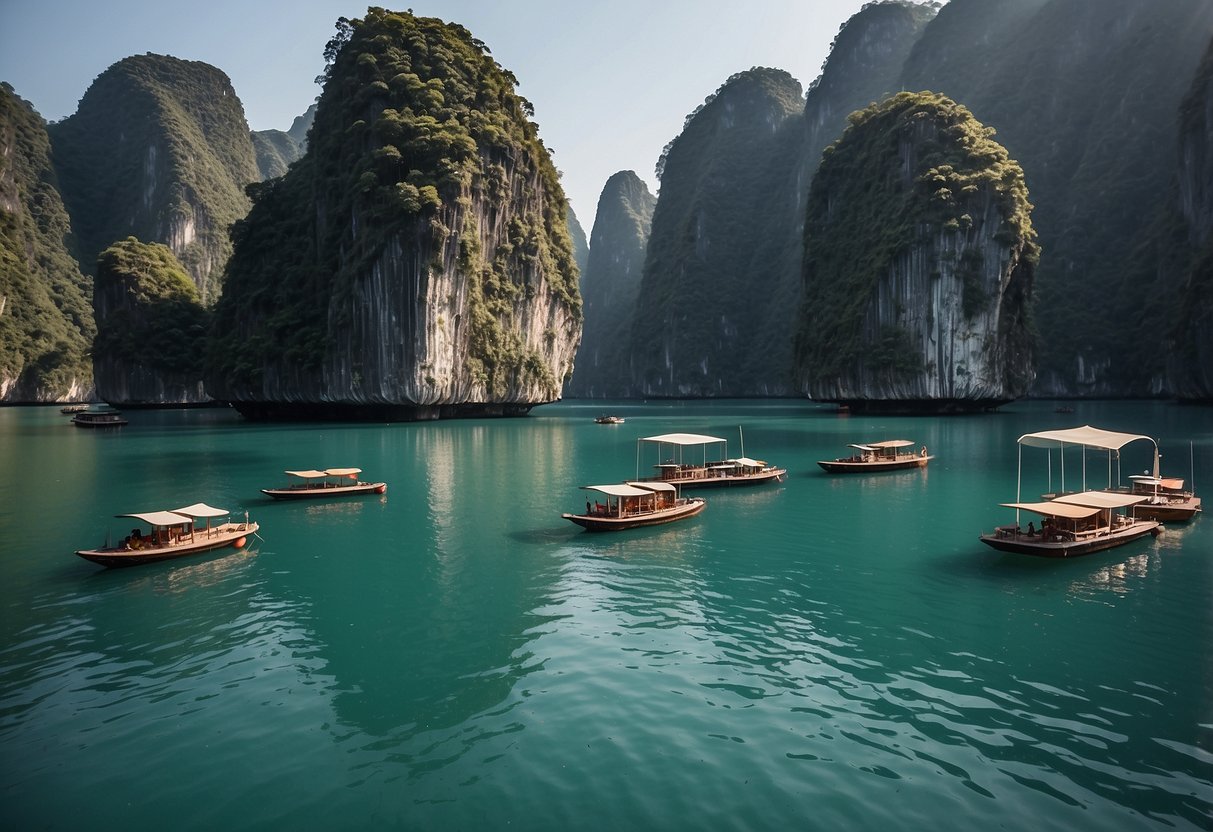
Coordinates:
(158, 148)
(149, 311)
(46, 323)
(416, 123)
(866, 209)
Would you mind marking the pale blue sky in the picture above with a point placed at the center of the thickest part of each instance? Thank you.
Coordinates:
(611, 81)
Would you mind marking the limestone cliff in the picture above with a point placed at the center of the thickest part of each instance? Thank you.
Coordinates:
(610, 286)
(918, 266)
(151, 328)
(275, 150)
(158, 148)
(45, 324)
(416, 262)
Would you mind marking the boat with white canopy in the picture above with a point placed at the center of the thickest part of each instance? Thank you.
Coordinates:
(678, 463)
(331, 482)
(629, 505)
(173, 534)
(887, 455)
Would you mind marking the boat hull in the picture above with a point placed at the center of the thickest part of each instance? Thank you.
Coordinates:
(307, 493)
(1005, 540)
(229, 535)
(1176, 512)
(846, 466)
(97, 423)
(598, 523)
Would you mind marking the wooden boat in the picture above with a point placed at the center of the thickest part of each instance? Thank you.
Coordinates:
(101, 416)
(878, 456)
(1073, 525)
(332, 482)
(1166, 498)
(173, 534)
(609, 420)
(633, 504)
(677, 469)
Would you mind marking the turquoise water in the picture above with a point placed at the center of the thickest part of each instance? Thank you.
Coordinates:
(828, 653)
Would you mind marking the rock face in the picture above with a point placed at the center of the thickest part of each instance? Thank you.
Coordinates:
(159, 148)
(610, 286)
(277, 149)
(1190, 357)
(918, 266)
(151, 328)
(46, 326)
(581, 246)
(416, 262)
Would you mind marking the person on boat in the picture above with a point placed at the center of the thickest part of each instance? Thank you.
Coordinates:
(923, 452)
(1031, 529)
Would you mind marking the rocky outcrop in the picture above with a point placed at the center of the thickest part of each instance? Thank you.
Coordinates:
(159, 148)
(275, 150)
(416, 262)
(45, 323)
(918, 267)
(581, 246)
(610, 287)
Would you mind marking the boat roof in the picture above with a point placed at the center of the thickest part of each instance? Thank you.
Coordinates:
(683, 439)
(159, 518)
(1108, 440)
(619, 490)
(653, 486)
(1052, 508)
(749, 463)
(202, 510)
(1166, 482)
(1100, 499)
(308, 474)
(888, 443)
(342, 472)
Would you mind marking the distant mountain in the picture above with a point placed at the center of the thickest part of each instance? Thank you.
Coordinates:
(581, 246)
(416, 261)
(46, 323)
(276, 149)
(301, 125)
(919, 259)
(610, 287)
(159, 149)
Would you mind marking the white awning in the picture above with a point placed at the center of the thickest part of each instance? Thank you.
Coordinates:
(1086, 435)
(307, 474)
(653, 486)
(619, 490)
(749, 463)
(1055, 509)
(1100, 499)
(862, 447)
(342, 472)
(202, 510)
(160, 518)
(1165, 482)
(683, 439)
(892, 443)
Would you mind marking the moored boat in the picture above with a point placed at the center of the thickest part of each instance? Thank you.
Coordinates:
(677, 468)
(331, 482)
(173, 534)
(887, 455)
(633, 504)
(68, 410)
(98, 416)
(609, 420)
(1166, 499)
(1073, 525)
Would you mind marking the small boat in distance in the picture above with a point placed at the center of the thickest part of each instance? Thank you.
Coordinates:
(1073, 525)
(609, 420)
(173, 534)
(674, 468)
(68, 410)
(633, 504)
(331, 482)
(98, 416)
(878, 456)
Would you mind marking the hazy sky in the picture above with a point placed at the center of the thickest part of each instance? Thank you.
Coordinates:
(611, 82)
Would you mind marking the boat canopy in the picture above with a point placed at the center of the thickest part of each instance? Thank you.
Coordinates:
(342, 472)
(683, 439)
(1165, 482)
(650, 487)
(891, 443)
(619, 490)
(202, 510)
(1052, 508)
(160, 518)
(746, 462)
(1100, 499)
(1086, 435)
(308, 474)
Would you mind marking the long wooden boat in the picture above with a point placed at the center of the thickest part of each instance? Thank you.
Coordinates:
(878, 456)
(1073, 525)
(331, 482)
(1166, 499)
(102, 416)
(675, 468)
(634, 504)
(173, 534)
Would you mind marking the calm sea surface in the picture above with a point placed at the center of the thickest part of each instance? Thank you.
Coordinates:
(828, 653)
